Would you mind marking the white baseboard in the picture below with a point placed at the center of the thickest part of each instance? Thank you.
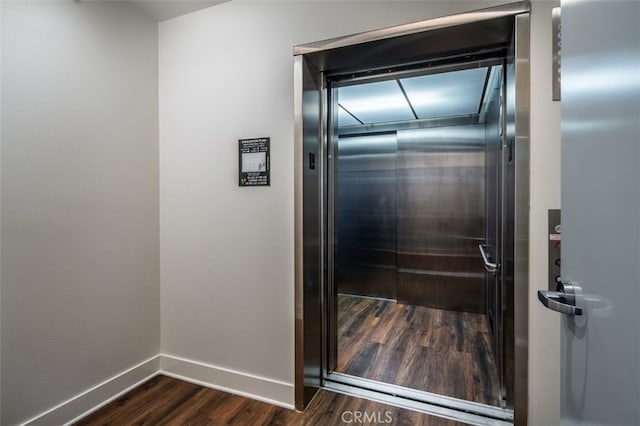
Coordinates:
(92, 399)
(236, 382)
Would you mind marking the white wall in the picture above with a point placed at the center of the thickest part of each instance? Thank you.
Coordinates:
(80, 272)
(227, 252)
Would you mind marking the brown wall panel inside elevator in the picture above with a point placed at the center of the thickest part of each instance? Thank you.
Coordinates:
(410, 215)
(441, 217)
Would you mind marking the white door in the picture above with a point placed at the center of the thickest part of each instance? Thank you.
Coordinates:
(601, 212)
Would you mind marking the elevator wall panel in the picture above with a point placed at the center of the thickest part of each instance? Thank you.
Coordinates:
(509, 202)
(365, 240)
(493, 237)
(441, 217)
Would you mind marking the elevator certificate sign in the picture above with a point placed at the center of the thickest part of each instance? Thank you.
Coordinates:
(254, 162)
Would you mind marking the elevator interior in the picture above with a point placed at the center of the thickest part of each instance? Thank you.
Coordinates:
(415, 178)
(411, 187)
(409, 200)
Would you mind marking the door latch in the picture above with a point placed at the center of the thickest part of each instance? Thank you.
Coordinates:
(563, 300)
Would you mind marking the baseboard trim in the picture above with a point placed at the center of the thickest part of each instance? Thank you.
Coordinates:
(236, 382)
(96, 397)
(247, 385)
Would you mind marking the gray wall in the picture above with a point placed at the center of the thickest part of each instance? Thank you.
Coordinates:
(80, 292)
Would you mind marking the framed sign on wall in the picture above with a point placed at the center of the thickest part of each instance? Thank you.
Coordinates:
(254, 162)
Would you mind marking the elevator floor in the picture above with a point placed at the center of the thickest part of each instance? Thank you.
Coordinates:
(432, 350)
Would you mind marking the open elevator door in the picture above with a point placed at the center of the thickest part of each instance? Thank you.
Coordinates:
(414, 188)
(456, 35)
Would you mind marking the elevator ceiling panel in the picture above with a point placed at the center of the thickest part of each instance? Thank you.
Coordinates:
(432, 96)
(376, 102)
(346, 119)
(446, 94)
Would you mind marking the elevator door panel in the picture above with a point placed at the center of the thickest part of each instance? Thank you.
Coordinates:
(365, 208)
(441, 217)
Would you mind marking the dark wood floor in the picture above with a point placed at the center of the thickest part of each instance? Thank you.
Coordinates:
(167, 401)
(433, 350)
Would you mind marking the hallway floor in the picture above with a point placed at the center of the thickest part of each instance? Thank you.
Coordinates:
(167, 401)
(432, 350)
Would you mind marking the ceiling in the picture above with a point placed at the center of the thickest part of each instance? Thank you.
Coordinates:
(455, 93)
(161, 10)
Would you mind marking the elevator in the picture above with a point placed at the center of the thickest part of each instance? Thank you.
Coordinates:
(411, 228)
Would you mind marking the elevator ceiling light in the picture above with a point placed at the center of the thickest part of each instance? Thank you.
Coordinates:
(453, 93)
(446, 94)
(376, 102)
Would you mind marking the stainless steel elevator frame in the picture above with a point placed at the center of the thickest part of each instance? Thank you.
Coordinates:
(401, 44)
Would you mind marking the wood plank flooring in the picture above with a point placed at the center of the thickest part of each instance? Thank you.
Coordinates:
(433, 350)
(167, 401)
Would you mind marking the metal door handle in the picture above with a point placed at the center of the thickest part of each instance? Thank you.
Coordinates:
(490, 267)
(556, 301)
